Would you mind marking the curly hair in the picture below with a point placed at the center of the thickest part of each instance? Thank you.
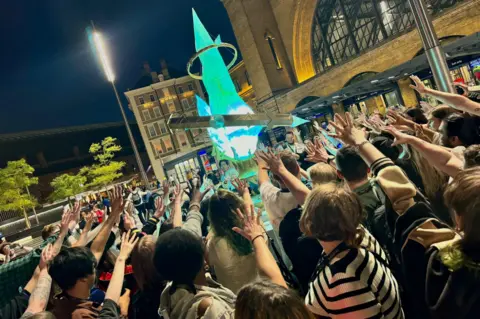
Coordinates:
(222, 217)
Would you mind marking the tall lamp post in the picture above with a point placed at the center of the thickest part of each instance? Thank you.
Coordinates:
(433, 50)
(105, 60)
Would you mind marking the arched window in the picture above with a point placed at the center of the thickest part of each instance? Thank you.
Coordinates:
(345, 28)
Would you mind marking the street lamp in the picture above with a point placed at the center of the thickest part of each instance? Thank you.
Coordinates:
(107, 68)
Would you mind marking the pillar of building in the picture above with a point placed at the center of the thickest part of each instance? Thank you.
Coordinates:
(254, 24)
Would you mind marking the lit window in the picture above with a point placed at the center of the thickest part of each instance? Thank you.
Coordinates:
(141, 100)
(190, 87)
(146, 115)
(152, 98)
(168, 144)
(185, 104)
(171, 106)
(157, 111)
(180, 90)
(182, 139)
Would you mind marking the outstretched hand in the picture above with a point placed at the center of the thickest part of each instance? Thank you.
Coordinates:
(117, 201)
(160, 207)
(48, 253)
(419, 86)
(240, 185)
(346, 131)
(316, 152)
(129, 240)
(272, 160)
(178, 193)
(252, 226)
(400, 137)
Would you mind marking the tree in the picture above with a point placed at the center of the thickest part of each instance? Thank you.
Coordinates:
(15, 178)
(67, 186)
(106, 170)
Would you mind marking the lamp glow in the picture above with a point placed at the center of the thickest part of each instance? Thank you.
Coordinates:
(104, 58)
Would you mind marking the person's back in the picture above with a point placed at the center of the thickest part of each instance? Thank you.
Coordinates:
(354, 171)
(232, 270)
(229, 253)
(353, 279)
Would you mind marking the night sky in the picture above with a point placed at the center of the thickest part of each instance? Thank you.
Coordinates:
(48, 75)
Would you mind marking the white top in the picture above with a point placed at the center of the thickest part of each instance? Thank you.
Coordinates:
(233, 271)
(277, 203)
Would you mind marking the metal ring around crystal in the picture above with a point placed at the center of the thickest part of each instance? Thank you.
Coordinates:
(205, 49)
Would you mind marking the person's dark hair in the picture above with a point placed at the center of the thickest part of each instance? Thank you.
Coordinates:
(204, 205)
(179, 256)
(331, 213)
(350, 164)
(442, 112)
(385, 145)
(264, 299)
(43, 315)
(72, 264)
(222, 217)
(417, 115)
(472, 156)
(463, 126)
(166, 226)
(461, 196)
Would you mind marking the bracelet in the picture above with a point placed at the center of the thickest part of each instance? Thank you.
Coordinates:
(256, 238)
(357, 147)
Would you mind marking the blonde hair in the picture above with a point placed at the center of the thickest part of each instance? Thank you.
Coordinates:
(433, 180)
(462, 196)
(332, 213)
(322, 173)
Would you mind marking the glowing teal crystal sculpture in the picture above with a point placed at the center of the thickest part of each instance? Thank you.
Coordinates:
(235, 143)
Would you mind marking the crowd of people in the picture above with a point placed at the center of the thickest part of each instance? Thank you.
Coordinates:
(377, 216)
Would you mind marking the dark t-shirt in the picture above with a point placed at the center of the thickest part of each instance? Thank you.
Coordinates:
(15, 308)
(66, 307)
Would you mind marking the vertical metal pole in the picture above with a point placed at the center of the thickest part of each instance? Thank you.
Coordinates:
(34, 211)
(132, 139)
(433, 50)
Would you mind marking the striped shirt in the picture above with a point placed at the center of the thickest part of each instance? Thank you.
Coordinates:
(356, 284)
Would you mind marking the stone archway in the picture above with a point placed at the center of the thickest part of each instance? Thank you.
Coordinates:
(302, 39)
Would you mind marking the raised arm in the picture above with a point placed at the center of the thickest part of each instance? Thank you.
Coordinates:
(177, 207)
(438, 156)
(298, 189)
(242, 189)
(262, 170)
(115, 287)
(118, 204)
(456, 101)
(254, 232)
(400, 121)
(396, 185)
(67, 217)
(83, 240)
(41, 293)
